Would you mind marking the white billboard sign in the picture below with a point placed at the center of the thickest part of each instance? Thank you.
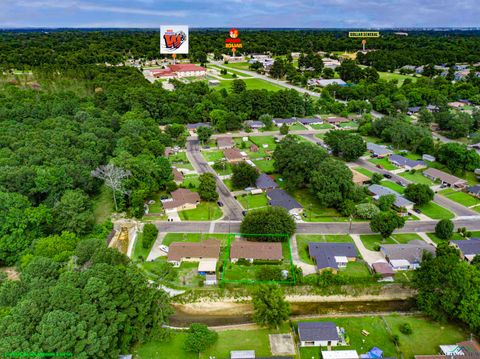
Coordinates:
(174, 39)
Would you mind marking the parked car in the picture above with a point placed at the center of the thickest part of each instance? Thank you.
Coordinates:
(380, 166)
(163, 248)
(387, 175)
(220, 204)
(400, 183)
(417, 210)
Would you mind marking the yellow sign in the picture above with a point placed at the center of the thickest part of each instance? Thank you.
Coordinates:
(364, 34)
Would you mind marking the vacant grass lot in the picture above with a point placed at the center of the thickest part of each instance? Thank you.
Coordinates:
(297, 127)
(171, 349)
(213, 156)
(416, 177)
(304, 239)
(435, 211)
(253, 201)
(382, 162)
(205, 211)
(267, 166)
(252, 84)
(460, 197)
(388, 76)
(313, 211)
(103, 205)
(192, 237)
(364, 171)
(372, 241)
(392, 185)
(261, 140)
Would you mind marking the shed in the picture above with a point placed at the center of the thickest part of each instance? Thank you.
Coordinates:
(242, 354)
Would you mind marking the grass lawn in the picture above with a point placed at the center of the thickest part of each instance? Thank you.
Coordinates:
(364, 171)
(323, 126)
(261, 140)
(416, 177)
(314, 212)
(252, 84)
(371, 241)
(388, 76)
(171, 349)
(192, 237)
(229, 340)
(191, 182)
(156, 207)
(228, 183)
(435, 211)
(297, 127)
(212, 156)
(304, 239)
(383, 162)
(405, 237)
(350, 124)
(357, 269)
(138, 250)
(437, 240)
(205, 211)
(392, 185)
(238, 65)
(253, 201)
(460, 197)
(103, 205)
(266, 166)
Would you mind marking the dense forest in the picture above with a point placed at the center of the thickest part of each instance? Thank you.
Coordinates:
(72, 48)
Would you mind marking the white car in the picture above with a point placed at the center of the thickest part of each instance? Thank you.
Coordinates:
(163, 248)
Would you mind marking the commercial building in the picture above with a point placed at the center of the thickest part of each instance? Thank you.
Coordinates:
(179, 71)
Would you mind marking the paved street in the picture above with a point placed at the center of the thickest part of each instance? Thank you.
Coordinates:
(231, 208)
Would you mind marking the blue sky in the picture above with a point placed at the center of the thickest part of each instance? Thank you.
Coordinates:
(240, 13)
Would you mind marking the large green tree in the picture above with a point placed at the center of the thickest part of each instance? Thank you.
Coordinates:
(269, 220)
(207, 189)
(386, 222)
(244, 175)
(270, 307)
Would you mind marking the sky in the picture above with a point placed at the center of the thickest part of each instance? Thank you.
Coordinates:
(240, 13)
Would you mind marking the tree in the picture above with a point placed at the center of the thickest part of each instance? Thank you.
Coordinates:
(419, 193)
(376, 178)
(150, 233)
(207, 188)
(238, 86)
(204, 133)
(366, 210)
(444, 229)
(267, 120)
(270, 307)
(113, 177)
(199, 338)
(57, 247)
(73, 212)
(386, 222)
(269, 220)
(385, 202)
(244, 175)
(349, 146)
(284, 129)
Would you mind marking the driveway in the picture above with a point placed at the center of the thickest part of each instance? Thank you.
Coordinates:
(368, 256)
(231, 208)
(306, 268)
(156, 252)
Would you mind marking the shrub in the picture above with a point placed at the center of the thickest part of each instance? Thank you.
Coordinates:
(444, 229)
(150, 233)
(406, 329)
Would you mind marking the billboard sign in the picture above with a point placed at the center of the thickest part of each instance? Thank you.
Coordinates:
(364, 34)
(174, 39)
(233, 41)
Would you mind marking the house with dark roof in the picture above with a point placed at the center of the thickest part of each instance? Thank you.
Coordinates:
(474, 190)
(445, 178)
(406, 256)
(254, 125)
(193, 251)
(384, 270)
(318, 334)
(378, 150)
(265, 182)
(278, 197)
(406, 163)
(310, 121)
(269, 251)
(224, 142)
(281, 121)
(332, 256)
(193, 127)
(400, 202)
(468, 248)
(413, 110)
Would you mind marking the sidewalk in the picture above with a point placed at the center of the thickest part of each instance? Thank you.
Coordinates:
(156, 252)
(427, 238)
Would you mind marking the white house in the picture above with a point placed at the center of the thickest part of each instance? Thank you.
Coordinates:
(318, 334)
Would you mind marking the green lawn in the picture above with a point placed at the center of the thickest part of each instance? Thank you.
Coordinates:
(357, 269)
(437, 240)
(229, 184)
(388, 76)
(364, 171)
(213, 156)
(170, 349)
(229, 340)
(261, 140)
(405, 237)
(372, 241)
(191, 181)
(156, 207)
(266, 166)
(460, 197)
(350, 124)
(323, 126)
(253, 201)
(252, 84)
(313, 211)
(435, 211)
(416, 177)
(297, 127)
(103, 205)
(392, 185)
(382, 162)
(205, 211)
(138, 250)
(304, 239)
(238, 65)
(192, 237)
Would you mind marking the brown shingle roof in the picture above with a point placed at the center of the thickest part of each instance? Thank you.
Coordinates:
(337, 119)
(443, 176)
(206, 249)
(180, 197)
(232, 154)
(383, 268)
(224, 141)
(256, 250)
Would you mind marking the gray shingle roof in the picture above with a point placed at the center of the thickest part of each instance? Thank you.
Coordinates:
(284, 120)
(278, 197)
(192, 126)
(404, 161)
(474, 189)
(378, 149)
(264, 181)
(380, 191)
(411, 251)
(468, 246)
(317, 331)
(325, 253)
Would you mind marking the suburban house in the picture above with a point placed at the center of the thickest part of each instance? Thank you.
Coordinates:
(254, 125)
(177, 176)
(224, 142)
(337, 120)
(270, 251)
(413, 110)
(340, 354)
(278, 197)
(332, 255)
(406, 256)
(384, 270)
(468, 248)
(324, 83)
(310, 121)
(428, 158)
(182, 199)
(456, 104)
(330, 63)
(359, 178)
(462, 350)
(193, 127)
(233, 155)
(406, 163)
(208, 268)
(474, 190)
(281, 121)
(180, 70)
(445, 178)
(400, 202)
(318, 334)
(242, 354)
(265, 182)
(378, 150)
(193, 251)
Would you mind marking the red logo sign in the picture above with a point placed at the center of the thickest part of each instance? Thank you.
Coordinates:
(233, 42)
(173, 40)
